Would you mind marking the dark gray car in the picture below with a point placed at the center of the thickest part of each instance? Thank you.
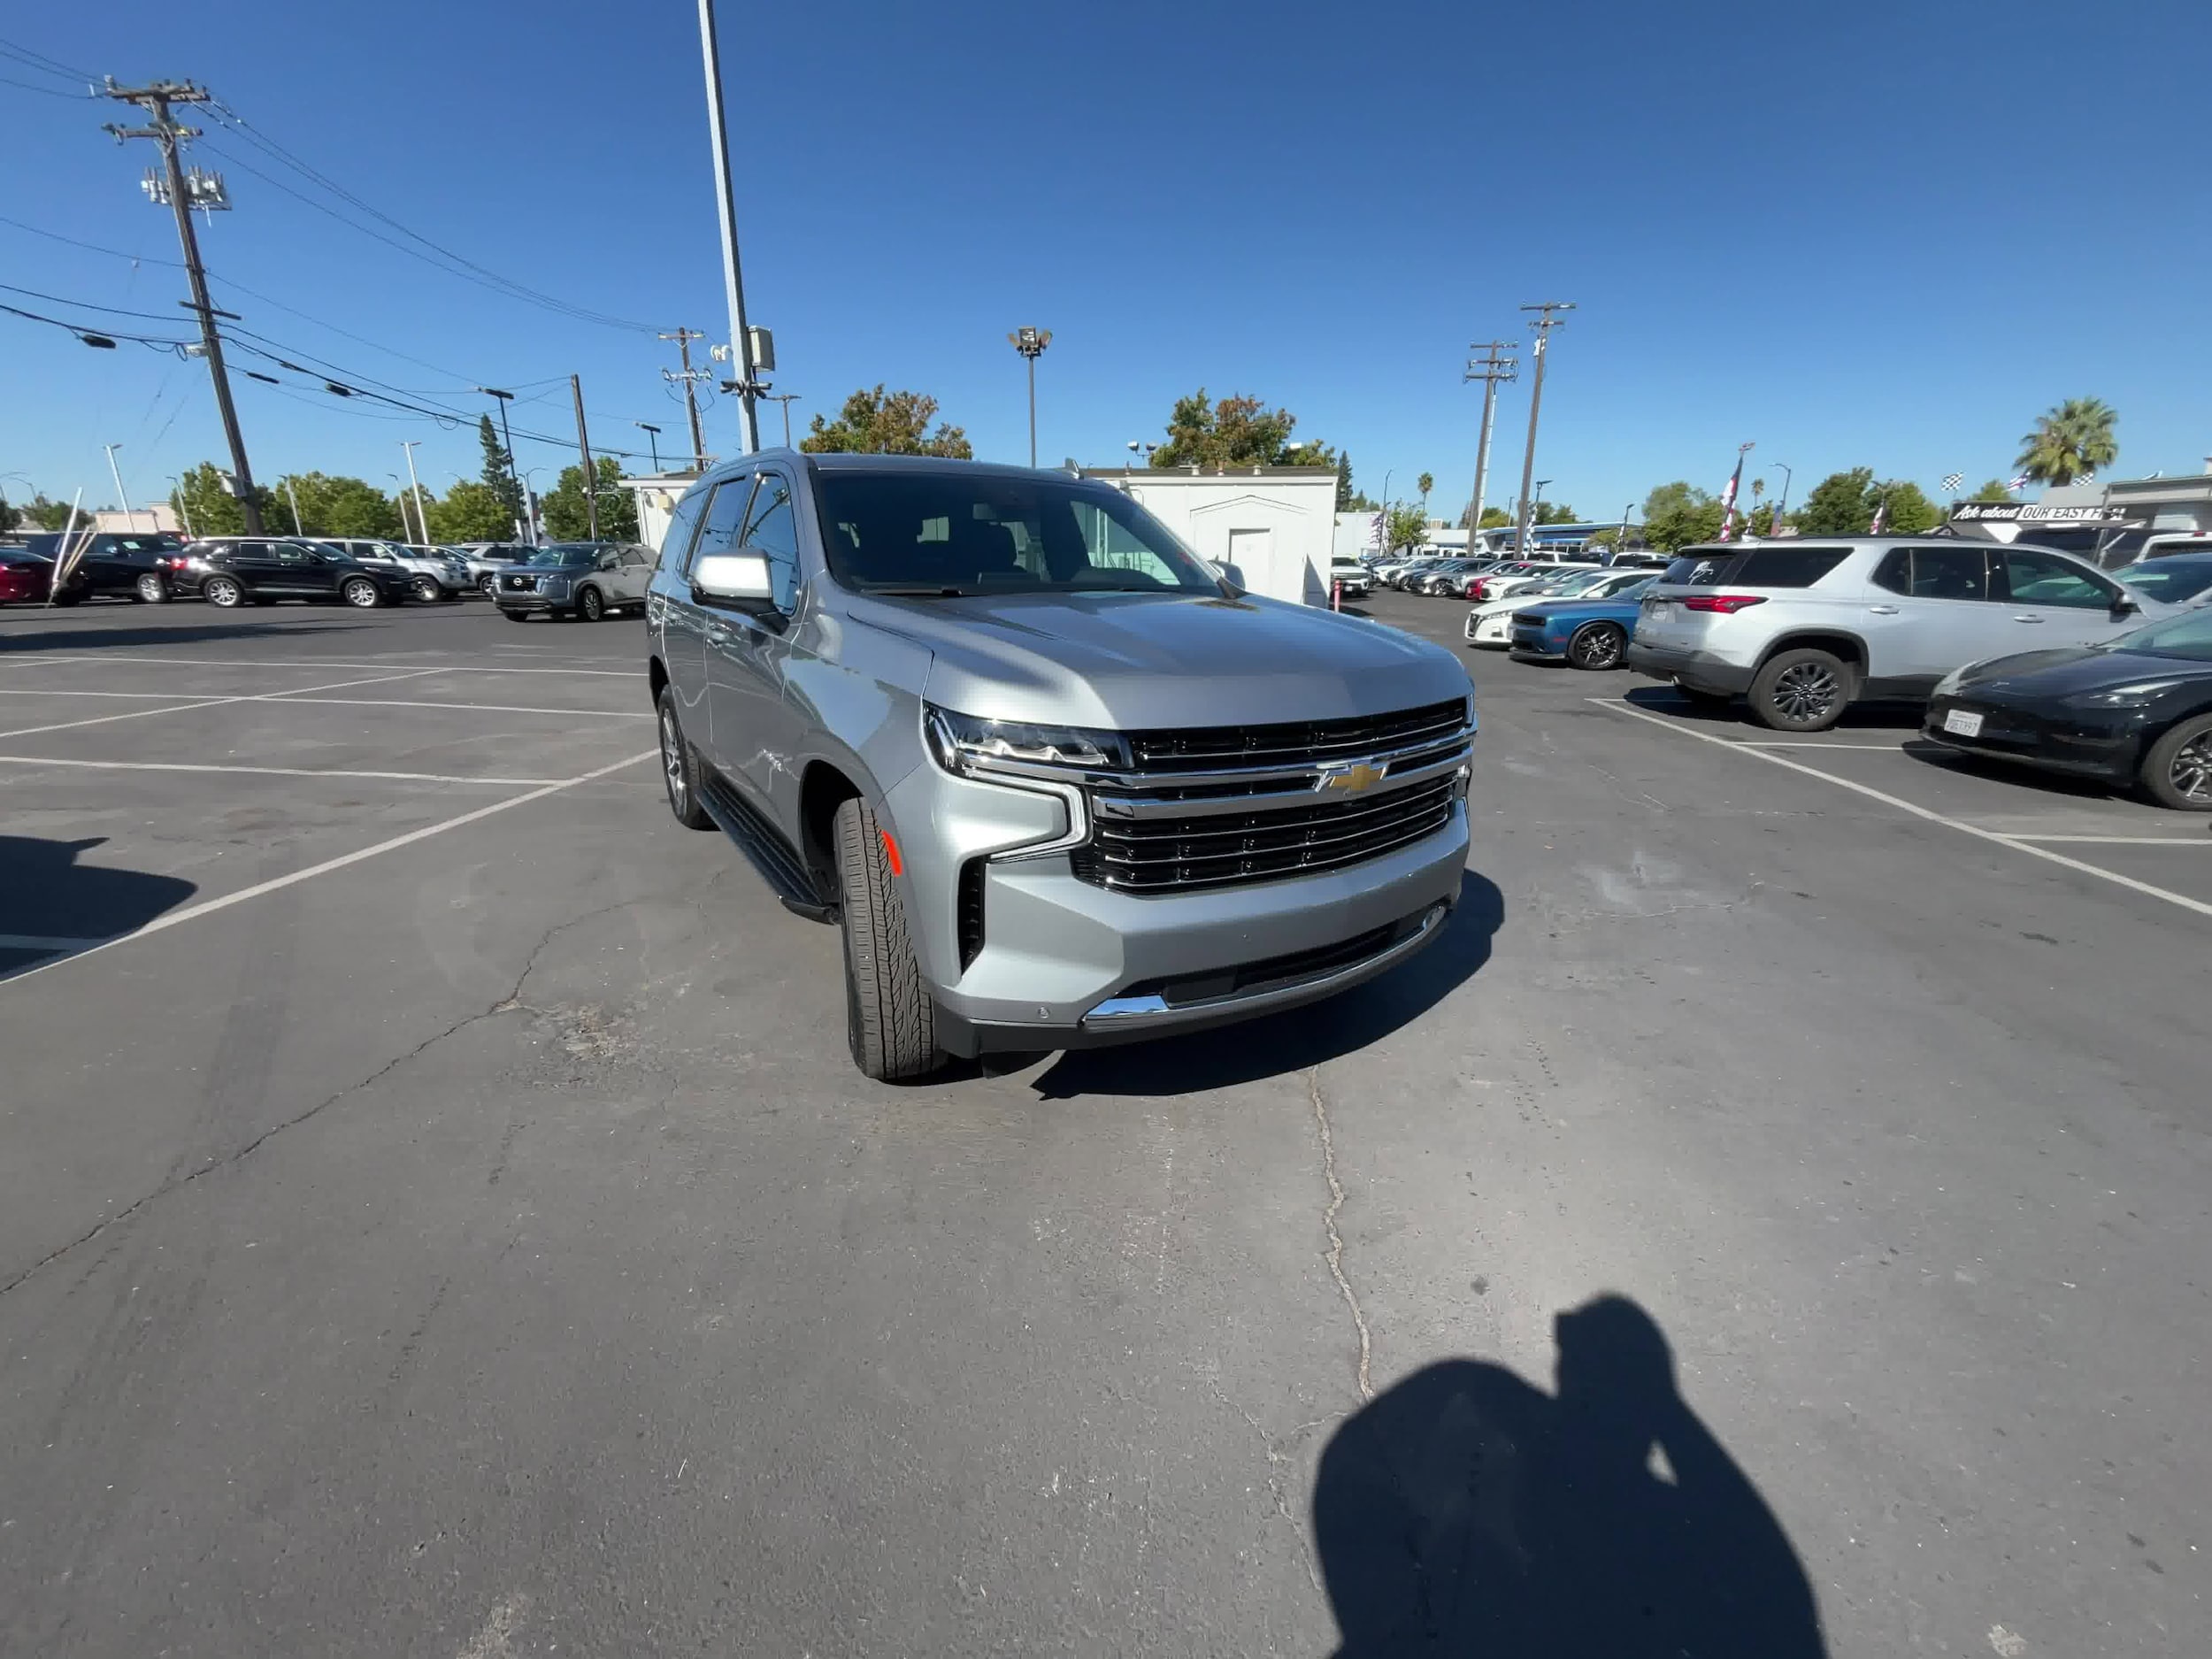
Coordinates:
(1060, 784)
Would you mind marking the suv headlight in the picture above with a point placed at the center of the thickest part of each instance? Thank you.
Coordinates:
(970, 744)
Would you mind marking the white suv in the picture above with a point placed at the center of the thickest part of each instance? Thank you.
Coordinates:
(1805, 628)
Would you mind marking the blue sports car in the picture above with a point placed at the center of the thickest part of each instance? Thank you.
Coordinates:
(1588, 633)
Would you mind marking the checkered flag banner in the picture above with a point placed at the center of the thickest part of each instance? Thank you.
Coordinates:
(1952, 480)
(2085, 478)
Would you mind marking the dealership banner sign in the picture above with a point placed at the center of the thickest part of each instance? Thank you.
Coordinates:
(2029, 512)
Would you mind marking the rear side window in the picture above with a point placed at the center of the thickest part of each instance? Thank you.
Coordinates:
(1784, 565)
(1957, 569)
(1696, 570)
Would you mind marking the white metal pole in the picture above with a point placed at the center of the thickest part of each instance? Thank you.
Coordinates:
(422, 521)
(121, 495)
(726, 204)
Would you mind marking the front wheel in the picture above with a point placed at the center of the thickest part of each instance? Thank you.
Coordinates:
(890, 1022)
(487, 584)
(360, 592)
(222, 592)
(427, 589)
(1597, 645)
(2178, 772)
(153, 590)
(1803, 690)
(515, 615)
(680, 767)
(589, 605)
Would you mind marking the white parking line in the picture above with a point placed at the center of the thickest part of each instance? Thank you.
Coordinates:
(205, 703)
(1886, 799)
(41, 691)
(1765, 742)
(193, 912)
(464, 666)
(2121, 841)
(263, 771)
(482, 707)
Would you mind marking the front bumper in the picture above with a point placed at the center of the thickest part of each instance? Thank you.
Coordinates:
(1065, 962)
(1537, 642)
(531, 600)
(2110, 748)
(1702, 671)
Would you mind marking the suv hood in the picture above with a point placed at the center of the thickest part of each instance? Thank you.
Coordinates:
(1133, 661)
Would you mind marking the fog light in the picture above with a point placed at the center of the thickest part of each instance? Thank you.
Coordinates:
(1459, 783)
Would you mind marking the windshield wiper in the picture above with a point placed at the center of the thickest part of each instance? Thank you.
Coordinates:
(918, 592)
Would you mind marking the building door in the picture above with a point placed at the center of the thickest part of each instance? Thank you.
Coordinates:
(1251, 556)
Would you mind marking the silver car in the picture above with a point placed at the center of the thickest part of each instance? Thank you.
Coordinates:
(1805, 628)
(1059, 784)
(431, 574)
(583, 580)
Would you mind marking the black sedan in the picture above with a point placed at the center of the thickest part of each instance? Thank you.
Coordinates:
(235, 571)
(2133, 711)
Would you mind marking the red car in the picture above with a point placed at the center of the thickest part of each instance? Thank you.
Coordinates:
(23, 577)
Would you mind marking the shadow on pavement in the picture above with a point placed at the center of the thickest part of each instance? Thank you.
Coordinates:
(1467, 1513)
(2057, 783)
(50, 905)
(1300, 1037)
(94, 638)
(1669, 700)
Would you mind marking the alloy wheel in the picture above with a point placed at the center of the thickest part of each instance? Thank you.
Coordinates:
(672, 762)
(1806, 692)
(359, 593)
(2190, 770)
(1597, 647)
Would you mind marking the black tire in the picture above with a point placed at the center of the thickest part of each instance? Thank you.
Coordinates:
(680, 767)
(360, 592)
(1598, 645)
(427, 589)
(515, 615)
(223, 592)
(487, 584)
(2178, 772)
(1804, 690)
(890, 1022)
(151, 589)
(590, 606)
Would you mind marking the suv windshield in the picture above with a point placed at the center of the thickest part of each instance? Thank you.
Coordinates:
(2188, 636)
(958, 533)
(566, 553)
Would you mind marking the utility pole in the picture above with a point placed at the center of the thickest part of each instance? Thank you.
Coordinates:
(204, 190)
(1490, 369)
(1544, 323)
(1031, 342)
(130, 520)
(422, 518)
(787, 399)
(690, 377)
(583, 446)
(726, 204)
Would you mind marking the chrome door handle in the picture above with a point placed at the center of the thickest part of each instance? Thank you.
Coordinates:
(1883, 611)
(2027, 618)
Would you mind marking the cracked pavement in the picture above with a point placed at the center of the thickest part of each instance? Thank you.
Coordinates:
(491, 1250)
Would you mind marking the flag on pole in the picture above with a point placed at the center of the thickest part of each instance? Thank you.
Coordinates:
(1952, 480)
(1881, 517)
(1728, 500)
(2019, 483)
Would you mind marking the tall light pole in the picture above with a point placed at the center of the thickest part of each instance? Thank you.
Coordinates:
(422, 519)
(1534, 502)
(1491, 370)
(129, 522)
(733, 274)
(505, 433)
(1031, 342)
(292, 495)
(652, 440)
(1787, 478)
(184, 508)
(1140, 452)
(1547, 319)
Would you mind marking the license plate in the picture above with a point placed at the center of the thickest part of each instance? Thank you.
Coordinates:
(1962, 722)
(1658, 608)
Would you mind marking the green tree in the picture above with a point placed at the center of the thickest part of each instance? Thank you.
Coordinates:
(2072, 439)
(567, 517)
(1842, 503)
(47, 515)
(1495, 519)
(885, 423)
(1995, 489)
(1910, 511)
(474, 511)
(1424, 484)
(335, 504)
(204, 496)
(1681, 520)
(499, 478)
(1552, 512)
(1406, 526)
(1669, 498)
(1237, 430)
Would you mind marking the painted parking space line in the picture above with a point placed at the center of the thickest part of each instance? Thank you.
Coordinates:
(265, 771)
(48, 691)
(193, 912)
(202, 702)
(482, 707)
(2018, 844)
(1766, 743)
(460, 665)
(2116, 840)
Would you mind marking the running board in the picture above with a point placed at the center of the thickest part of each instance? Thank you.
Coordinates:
(767, 851)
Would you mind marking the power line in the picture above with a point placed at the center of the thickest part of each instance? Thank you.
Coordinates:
(30, 59)
(43, 91)
(135, 258)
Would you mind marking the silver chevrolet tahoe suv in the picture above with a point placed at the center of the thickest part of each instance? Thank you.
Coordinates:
(1058, 783)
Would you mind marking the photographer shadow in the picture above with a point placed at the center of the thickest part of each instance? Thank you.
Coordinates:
(1466, 1513)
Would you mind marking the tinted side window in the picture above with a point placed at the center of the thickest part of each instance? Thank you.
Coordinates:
(722, 528)
(1696, 570)
(1894, 572)
(1956, 571)
(772, 530)
(1785, 565)
(2030, 578)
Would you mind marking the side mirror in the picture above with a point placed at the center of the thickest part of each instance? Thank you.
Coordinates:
(2127, 605)
(739, 577)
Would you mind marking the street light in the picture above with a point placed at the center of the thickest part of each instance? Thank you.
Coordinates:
(1534, 503)
(184, 508)
(129, 522)
(1031, 342)
(653, 440)
(1775, 525)
(1141, 451)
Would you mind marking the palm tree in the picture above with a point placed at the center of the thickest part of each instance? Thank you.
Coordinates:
(1427, 481)
(2073, 438)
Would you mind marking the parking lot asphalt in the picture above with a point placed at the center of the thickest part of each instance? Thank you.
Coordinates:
(438, 1215)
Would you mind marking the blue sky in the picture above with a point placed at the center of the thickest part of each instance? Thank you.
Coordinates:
(1884, 234)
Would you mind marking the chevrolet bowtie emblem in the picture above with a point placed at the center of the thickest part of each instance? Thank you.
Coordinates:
(1347, 778)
